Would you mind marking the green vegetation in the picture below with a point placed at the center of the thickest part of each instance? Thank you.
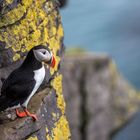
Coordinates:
(75, 51)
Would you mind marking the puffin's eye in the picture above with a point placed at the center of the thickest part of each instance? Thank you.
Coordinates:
(44, 52)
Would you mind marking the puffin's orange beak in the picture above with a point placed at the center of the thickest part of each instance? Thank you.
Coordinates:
(53, 62)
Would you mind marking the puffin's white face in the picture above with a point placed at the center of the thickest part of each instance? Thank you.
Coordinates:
(46, 56)
(42, 55)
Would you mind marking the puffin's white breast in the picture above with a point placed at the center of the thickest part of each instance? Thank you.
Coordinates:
(39, 76)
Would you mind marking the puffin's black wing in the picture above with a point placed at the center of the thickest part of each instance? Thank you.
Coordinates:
(20, 90)
(16, 88)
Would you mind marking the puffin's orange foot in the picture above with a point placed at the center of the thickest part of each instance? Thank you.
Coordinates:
(21, 114)
(34, 117)
(26, 113)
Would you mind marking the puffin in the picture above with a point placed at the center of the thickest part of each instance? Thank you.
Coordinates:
(23, 82)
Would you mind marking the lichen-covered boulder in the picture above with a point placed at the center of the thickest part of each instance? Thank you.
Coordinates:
(23, 25)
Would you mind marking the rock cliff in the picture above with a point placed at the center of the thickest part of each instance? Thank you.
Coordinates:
(99, 100)
(23, 25)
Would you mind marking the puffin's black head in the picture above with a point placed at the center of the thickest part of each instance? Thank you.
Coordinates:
(43, 54)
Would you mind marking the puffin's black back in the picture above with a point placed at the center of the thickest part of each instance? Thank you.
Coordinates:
(16, 88)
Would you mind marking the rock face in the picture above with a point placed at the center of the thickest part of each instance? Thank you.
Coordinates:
(99, 100)
(52, 123)
(23, 25)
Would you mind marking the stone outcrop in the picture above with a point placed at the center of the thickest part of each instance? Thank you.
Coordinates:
(51, 124)
(99, 100)
(23, 25)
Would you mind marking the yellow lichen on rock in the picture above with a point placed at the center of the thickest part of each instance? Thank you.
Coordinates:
(60, 131)
(15, 14)
(57, 85)
(9, 1)
(33, 138)
(37, 26)
(60, 31)
(16, 57)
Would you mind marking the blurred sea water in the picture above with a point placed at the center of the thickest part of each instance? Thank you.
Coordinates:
(106, 26)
